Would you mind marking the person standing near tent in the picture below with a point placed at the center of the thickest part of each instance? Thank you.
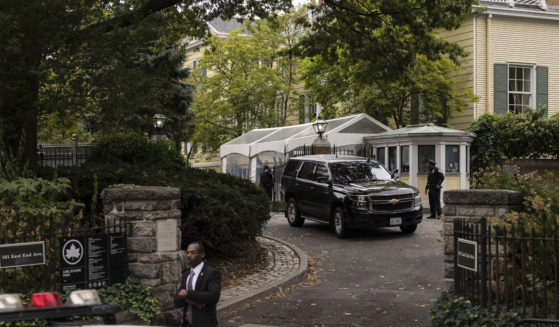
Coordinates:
(267, 179)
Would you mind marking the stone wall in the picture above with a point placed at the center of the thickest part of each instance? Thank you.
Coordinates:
(472, 205)
(154, 237)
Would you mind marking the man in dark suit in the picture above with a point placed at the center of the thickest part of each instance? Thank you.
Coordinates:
(199, 290)
(267, 179)
(435, 180)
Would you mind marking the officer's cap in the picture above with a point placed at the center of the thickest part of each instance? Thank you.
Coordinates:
(431, 161)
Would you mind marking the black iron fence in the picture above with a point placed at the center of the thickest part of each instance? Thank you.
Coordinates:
(361, 150)
(508, 267)
(66, 155)
(48, 276)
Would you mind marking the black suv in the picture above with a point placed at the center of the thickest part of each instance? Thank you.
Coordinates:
(348, 192)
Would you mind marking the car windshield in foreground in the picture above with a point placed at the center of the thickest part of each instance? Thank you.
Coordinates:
(359, 172)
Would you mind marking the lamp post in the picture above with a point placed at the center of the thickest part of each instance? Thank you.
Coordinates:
(320, 145)
(159, 122)
(320, 126)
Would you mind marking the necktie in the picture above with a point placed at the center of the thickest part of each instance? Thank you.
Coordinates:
(189, 288)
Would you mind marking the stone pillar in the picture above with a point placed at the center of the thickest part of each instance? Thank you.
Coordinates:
(472, 205)
(154, 237)
(321, 146)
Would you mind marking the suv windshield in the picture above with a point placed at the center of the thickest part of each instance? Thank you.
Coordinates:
(356, 172)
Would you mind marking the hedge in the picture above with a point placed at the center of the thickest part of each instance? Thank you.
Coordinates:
(510, 136)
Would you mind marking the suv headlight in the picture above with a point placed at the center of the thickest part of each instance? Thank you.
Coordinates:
(359, 201)
(417, 200)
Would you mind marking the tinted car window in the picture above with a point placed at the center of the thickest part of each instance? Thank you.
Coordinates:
(291, 168)
(321, 171)
(354, 172)
(307, 170)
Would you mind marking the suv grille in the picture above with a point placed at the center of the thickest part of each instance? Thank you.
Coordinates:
(385, 198)
(391, 203)
(388, 207)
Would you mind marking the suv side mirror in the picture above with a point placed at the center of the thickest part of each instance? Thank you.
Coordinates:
(396, 174)
(322, 179)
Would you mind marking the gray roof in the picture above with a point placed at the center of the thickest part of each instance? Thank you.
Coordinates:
(224, 26)
(421, 130)
(516, 7)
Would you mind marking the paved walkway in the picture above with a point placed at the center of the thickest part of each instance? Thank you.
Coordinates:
(287, 265)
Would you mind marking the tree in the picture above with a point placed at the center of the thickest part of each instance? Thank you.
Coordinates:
(251, 82)
(135, 88)
(376, 54)
(345, 84)
(50, 48)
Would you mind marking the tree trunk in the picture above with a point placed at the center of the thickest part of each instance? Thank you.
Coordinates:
(19, 121)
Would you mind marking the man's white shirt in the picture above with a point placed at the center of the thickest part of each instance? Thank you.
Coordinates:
(197, 271)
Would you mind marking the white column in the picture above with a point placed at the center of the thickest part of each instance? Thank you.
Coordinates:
(413, 165)
(398, 162)
(441, 162)
(318, 109)
(463, 156)
(224, 165)
(252, 169)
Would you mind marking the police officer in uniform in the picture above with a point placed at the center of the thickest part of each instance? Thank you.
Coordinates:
(433, 188)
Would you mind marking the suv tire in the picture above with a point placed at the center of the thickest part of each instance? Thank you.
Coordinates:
(293, 214)
(408, 229)
(339, 223)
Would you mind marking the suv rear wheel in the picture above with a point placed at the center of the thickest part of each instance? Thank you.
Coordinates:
(408, 229)
(293, 214)
(340, 223)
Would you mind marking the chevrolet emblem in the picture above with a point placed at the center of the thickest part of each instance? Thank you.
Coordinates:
(394, 201)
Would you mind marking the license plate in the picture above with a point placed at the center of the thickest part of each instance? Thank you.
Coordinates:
(395, 221)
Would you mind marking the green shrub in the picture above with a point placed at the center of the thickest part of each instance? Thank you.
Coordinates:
(541, 196)
(30, 209)
(221, 210)
(36, 206)
(132, 296)
(510, 136)
(451, 310)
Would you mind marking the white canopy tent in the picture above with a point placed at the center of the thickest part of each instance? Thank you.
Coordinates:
(244, 155)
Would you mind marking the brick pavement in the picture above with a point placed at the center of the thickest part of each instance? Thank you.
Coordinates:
(285, 267)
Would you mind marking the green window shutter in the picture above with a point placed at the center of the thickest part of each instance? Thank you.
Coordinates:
(541, 87)
(501, 92)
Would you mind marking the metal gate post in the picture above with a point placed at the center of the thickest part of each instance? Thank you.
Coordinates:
(456, 270)
(74, 150)
(483, 262)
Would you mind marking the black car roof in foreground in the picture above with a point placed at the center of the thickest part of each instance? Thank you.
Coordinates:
(330, 158)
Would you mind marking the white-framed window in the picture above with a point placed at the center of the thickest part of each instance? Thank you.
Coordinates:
(405, 158)
(521, 87)
(452, 155)
(196, 64)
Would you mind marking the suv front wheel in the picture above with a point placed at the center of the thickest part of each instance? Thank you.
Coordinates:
(293, 214)
(340, 223)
